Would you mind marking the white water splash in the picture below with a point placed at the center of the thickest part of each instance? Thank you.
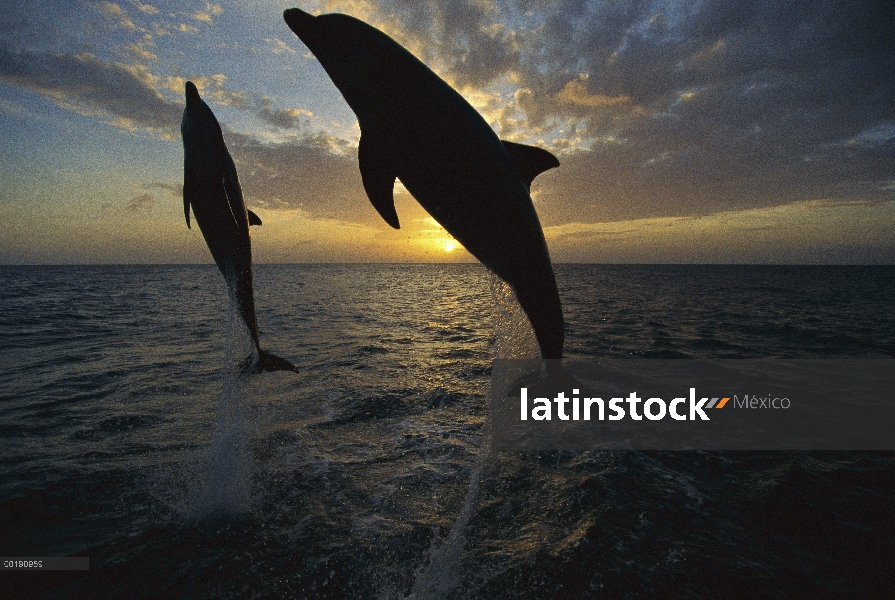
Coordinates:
(222, 482)
(514, 335)
(514, 338)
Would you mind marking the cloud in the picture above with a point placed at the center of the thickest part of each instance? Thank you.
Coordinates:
(211, 88)
(146, 9)
(462, 39)
(728, 103)
(820, 231)
(278, 46)
(129, 96)
(116, 13)
(123, 94)
(206, 13)
(139, 51)
(318, 175)
(141, 203)
(575, 93)
(286, 118)
(214, 89)
(669, 108)
(173, 189)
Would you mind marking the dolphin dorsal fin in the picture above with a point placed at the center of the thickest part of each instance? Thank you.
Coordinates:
(378, 176)
(530, 161)
(253, 218)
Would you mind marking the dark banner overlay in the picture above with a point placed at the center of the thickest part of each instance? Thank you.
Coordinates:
(679, 404)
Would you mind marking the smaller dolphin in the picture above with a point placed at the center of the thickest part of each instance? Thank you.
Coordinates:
(211, 187)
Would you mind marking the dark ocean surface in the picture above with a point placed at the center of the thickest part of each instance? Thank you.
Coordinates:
(127, 437)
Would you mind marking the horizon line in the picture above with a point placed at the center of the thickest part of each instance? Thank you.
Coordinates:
(607, 264)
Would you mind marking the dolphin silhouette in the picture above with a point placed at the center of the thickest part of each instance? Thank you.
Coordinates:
(416, 127)
(211, 187)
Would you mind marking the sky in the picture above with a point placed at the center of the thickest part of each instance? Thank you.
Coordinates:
(707, 131)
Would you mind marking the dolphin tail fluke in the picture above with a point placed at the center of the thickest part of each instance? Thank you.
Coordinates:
(272, 362)
(265, 362)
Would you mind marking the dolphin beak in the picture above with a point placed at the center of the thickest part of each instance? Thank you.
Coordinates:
(298, 21)
(192, 94)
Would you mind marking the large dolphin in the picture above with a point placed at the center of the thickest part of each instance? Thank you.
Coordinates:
(417, 128)
(211, 187)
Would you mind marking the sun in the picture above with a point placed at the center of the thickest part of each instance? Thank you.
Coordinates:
(450, 245)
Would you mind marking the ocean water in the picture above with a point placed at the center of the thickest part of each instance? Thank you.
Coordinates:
(127, 436)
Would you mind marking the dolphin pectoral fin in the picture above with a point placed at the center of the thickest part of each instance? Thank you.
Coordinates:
(253, 218)
(378, 178)
(530, 161)
(189, 192)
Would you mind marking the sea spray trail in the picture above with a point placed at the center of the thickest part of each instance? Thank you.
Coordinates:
(225, 486)
(441, 576)
(514, 338)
